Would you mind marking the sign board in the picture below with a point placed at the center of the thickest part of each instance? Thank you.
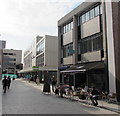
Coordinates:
(35, 68)
(71, 51)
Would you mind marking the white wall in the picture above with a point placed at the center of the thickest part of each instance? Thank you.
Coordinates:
(51, 50)
(68, 60)
(91, 56)
(67, 37)
(110, 45)
(90, 27)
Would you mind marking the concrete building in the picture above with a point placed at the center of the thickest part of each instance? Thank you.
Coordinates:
(2, 46)
(11, 61)
(40, 59)
(88, 46)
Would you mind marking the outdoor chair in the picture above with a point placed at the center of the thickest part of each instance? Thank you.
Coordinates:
(112, 97)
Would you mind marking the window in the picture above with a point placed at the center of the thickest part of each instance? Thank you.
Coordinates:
(92, 13)
(40, 60)
(68, 27)
(68, 50)
(40, 47)
(90, 44)
(71, 25)
(83, 18)
(97, 11)
(10, 53)
(96, 43)
(87, 16)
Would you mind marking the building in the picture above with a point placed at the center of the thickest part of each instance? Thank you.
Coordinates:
(11, 61)
(88, 46)
(1, 54)
(2, 46)
(40, 59)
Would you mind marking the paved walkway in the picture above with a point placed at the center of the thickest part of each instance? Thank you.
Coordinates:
(102, 104)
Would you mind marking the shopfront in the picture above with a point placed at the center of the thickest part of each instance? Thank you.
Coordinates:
(90, 74)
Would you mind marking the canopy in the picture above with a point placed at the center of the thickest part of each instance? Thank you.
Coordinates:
(84, 67)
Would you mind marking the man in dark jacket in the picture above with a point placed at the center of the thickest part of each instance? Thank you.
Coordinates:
(9, 82)
(4, 83)
(94, 96)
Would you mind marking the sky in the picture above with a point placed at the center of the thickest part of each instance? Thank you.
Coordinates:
(22, 20)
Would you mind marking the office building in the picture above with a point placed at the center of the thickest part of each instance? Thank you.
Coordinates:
(11, 61)
(88, 46)
(40, 59)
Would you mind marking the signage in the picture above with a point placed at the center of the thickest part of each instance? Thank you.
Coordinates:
(35, 68)
(71, 51)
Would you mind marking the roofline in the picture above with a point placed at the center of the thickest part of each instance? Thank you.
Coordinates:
(76, 11)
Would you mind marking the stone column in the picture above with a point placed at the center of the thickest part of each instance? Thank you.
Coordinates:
(75, 39)
(59, 54)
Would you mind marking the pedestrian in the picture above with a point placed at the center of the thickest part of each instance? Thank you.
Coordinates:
(57, 90)
(62, 90)
(4, 83)
(54, 81)
(46, 88)
(8, 82)
(94, 96)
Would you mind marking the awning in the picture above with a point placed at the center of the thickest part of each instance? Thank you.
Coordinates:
(82, 70)
(84, 67)
(63, 67)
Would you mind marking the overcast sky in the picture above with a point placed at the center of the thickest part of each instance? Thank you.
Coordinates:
(22, 20)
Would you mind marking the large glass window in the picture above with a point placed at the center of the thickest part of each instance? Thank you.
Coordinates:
(68, 50)
(87, 16)
(68, 27)
(100, 8)
(97, 11)
(83, 18)
(90, 44)
(40, 47)
(40, 60)
(92, 13)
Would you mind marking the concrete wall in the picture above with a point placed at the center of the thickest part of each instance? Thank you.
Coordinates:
(116, 35)
(90, 27)
(1, 63)
(51, 51)
(91, 56)
(67, 37)
(68, 60)
(17, 54)
(110, 48)
(2, 44)
(34, 52)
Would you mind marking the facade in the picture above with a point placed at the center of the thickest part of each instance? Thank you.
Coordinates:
(87, 42)
(2, 46)
(11, 61)
(40, 59)
(1, 56)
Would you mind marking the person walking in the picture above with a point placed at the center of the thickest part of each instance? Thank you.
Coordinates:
(94, 96)
(54, 81)
(4, 83)
(62, 90)
(8, 82)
